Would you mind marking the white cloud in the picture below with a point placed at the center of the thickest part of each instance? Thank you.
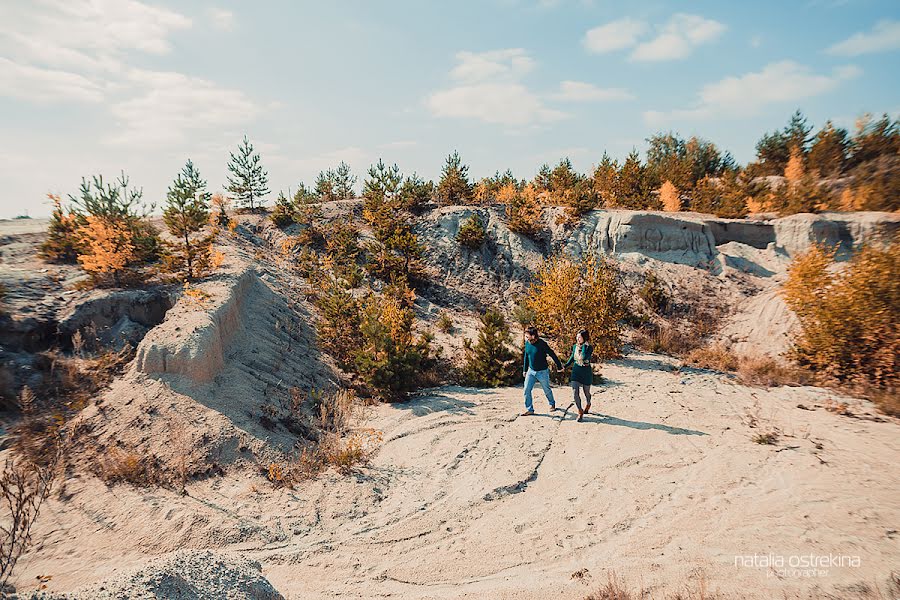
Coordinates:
(780, 82)
(85, 32)
(580, 91)
(221, 19)
(511, 63)
(168, 107)
(75, 49)
(503, 103)
(678, 37)
(615, 35)
(884, 36)
(45, 85)
(489, 89)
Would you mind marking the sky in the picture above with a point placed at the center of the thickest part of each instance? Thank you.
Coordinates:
(104, 86)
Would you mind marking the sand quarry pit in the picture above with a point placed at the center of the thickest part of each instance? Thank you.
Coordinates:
(663, 486)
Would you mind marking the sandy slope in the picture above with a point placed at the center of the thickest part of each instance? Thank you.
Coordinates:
(466, 500)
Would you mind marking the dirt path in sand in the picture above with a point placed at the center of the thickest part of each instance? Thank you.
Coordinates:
(663, 486)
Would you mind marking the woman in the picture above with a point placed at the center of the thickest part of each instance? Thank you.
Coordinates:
(582, 376)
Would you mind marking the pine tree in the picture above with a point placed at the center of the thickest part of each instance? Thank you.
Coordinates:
(344, 182)
(828, 154)
(396, 250)
(415, 192)
(632, 189)
(605, 180)
(186, 214)
(339, 328)
(490, 362)
(247, 179)
(120, 206)
(304, 195)
(324, 186)
(524, 212)
(455, 187)
(727, 197)
(471, 233)
(282, 214)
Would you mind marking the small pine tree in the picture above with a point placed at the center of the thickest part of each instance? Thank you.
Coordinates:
(247, 180)
(632, 189)
(669, 197)
(324, 186)
(218, 217)
(471, 233)
(119, 205)
(580, 199)
(339, 327)
(391, 360)
(304, 195)
(455, 187)
(344, 182)
(282, 214)
(62, 244)
(524, 213)
(185, 215)
(829, 152)
(490, 362)
(605, 180)
(415, 193)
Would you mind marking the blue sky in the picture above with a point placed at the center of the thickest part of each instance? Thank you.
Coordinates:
(99, 86)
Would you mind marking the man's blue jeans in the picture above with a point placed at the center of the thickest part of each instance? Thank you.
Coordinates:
(544, 378)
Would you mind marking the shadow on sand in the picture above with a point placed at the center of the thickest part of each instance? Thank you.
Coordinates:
(610, 420)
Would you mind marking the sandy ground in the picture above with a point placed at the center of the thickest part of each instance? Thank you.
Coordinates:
(663, 486)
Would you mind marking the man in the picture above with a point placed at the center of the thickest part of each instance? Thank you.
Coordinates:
(536, 369)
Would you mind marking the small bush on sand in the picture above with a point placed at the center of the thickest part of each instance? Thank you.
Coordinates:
(23, 488)
(490, 362)
(848, 318)
(282, 213)
(471, 233)
(62, 243)
(117, 465)
(569, 295)
(445, 323)
(755, 370)
(654, 294)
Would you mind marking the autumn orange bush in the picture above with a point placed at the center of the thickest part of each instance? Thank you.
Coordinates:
(107, 249)
(848, 316)
(572, 294)
(669, 197)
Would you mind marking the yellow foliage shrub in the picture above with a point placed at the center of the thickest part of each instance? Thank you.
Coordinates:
(569, 295)
(669, 197)
(107, 248)
(848, 316)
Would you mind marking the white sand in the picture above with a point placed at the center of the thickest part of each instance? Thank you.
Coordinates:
(465, 500)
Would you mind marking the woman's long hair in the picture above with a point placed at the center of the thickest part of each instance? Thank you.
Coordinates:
(585, 336)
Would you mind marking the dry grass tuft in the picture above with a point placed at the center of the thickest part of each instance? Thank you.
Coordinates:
(754, 370)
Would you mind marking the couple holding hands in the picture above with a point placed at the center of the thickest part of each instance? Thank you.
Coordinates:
(536, 370)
